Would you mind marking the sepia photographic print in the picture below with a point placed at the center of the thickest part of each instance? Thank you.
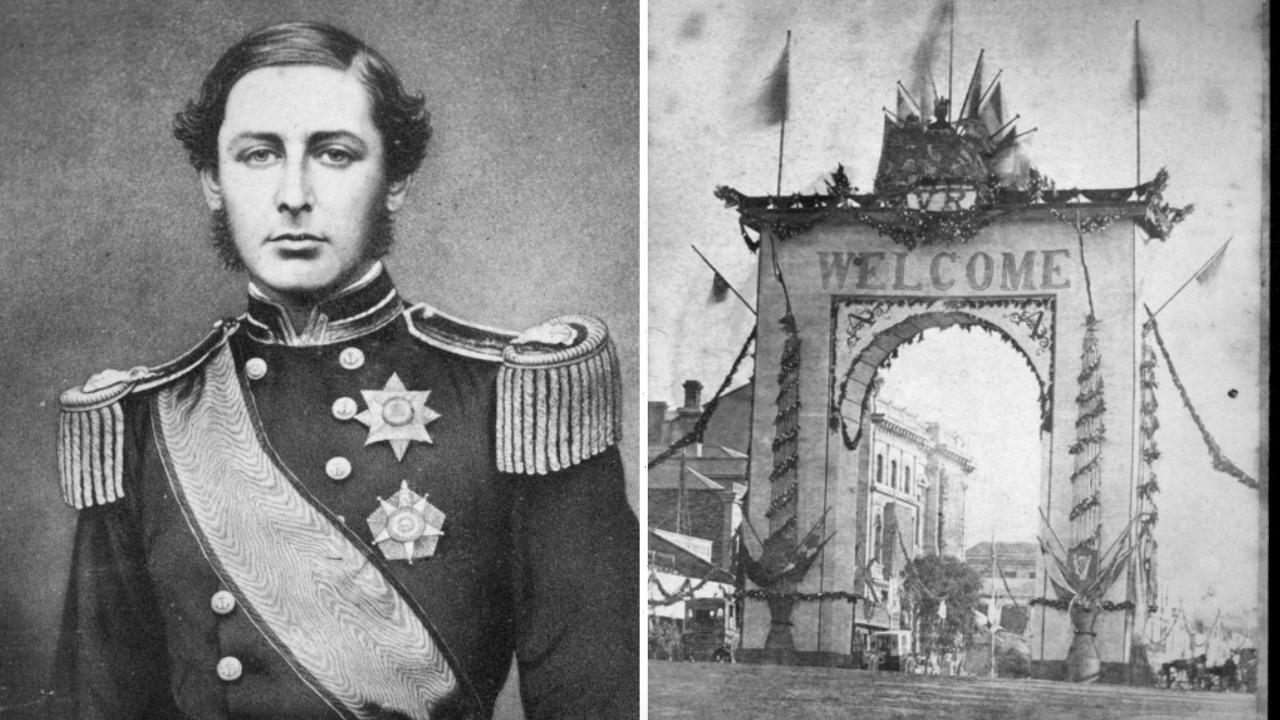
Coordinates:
(321, 344)
(958, 359)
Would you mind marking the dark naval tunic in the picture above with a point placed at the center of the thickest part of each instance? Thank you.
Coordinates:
(515, 536)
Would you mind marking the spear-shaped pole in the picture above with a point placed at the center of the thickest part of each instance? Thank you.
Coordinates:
(784, 67)
(1212, 259)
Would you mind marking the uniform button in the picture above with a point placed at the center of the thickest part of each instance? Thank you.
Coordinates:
(230, 669)
(338, 468)
(344, 408)
(255, 368)
(351, 358)
(222, 602)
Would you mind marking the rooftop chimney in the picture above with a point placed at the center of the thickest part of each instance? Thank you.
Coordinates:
(657, 414)
(692, 396)
(687, 414)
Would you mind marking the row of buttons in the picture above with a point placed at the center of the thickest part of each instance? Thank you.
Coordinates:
(229, 668)
(344, 408)
(350, 358)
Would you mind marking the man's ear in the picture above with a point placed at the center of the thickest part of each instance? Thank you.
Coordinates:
(212, 189)
(396, 192)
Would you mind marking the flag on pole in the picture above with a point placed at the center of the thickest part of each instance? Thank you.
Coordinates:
(992, 112)
(1139, 83)
(719, 287)
(1210, 269)
(774, 99)
(904, 109)
(923, 88)
(973, 96)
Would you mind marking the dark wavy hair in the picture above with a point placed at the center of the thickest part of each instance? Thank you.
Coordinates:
(401, 118)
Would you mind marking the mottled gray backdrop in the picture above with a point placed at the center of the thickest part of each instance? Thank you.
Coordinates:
(526, 207)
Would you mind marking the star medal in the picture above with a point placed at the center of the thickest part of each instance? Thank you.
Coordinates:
(397, 416)
(406, 526)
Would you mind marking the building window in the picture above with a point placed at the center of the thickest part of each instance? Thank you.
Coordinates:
(1031, 573)
(879, 535)
(880, 469)
(893, 474)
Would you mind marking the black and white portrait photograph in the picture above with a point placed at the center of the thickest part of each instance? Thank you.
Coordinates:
(958, 359)
(321, 335)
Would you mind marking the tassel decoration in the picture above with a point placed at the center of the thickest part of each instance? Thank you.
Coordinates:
(91, 455)
(558, 396)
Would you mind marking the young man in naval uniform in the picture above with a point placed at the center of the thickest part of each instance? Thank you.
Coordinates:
(341, 504)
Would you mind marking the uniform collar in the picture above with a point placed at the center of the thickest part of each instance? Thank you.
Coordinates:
(365, 305)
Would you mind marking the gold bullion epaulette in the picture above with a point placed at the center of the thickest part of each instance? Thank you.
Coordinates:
(558, 396)
(91, 427)
(456, 336)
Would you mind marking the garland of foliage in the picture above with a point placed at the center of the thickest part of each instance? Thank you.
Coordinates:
(953, 306)
(1149, 452)
(700, 425)
(1220, 461)
(782, 501)
(1105, 605)
(1092, 501)
(912, 228)
(759, 594)
(1090, 434)
(786, 440)
(686, 591)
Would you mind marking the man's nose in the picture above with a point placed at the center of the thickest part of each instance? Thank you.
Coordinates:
(293, 195)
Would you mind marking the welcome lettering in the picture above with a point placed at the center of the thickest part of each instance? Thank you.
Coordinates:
(978, 271)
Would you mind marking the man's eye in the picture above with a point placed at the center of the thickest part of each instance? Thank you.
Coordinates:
(258, 156)
(337, 157)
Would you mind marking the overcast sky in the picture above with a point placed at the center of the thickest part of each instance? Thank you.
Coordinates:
(1066, 71)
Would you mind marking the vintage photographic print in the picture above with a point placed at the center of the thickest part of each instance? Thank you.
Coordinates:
(958, 355)
(321, 343)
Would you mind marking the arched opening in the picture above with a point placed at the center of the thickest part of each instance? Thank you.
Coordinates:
(850, 397)
(973, 390)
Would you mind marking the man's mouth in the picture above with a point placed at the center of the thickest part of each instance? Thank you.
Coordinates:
(296, 237)
(296, 246)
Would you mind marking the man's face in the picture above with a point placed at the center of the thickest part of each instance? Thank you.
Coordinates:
(301, 177)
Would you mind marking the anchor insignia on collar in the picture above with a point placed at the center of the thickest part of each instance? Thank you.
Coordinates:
(397, 416)
(406, 526)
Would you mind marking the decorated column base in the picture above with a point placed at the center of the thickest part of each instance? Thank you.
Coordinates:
(1083, 663)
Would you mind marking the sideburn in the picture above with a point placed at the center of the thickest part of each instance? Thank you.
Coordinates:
(380, 241)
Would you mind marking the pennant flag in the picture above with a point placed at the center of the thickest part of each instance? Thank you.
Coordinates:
(992, 112)
(1210, 269)
(773, 101)
(923, 60)
(904, 109)
(1139, 83)
(973, 96)
(719, 287)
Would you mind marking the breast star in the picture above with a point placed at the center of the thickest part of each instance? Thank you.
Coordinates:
(406, 526)
(397, 416)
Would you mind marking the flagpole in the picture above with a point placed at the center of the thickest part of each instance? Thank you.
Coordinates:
(1194, 275)
(1140, 91)
(782, 134)
(951, 57)
(992, 621)
(722, 277)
